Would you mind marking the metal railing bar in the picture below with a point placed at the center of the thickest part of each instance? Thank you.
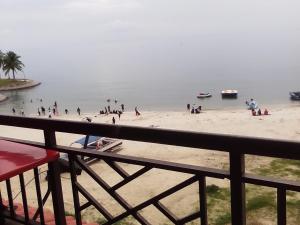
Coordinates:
(117, 168)
(2, 208)
(220, 142)
(93, 201)
(156, 198)
(46, 196)
(10, 198)
(236, 146)
(164, 210)
(107, 188)
(85, 205)
(281, 206)
(40, 210)
(189, 218)
(271, 182)
(237, 189)
(54, 180)
(75, 189)
(159, 164)
(95, 176)
(131, 177)
(43, 202)
(24, 198)
(202, 200)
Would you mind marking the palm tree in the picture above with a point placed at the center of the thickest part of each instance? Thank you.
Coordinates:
(1, 60)
(12, 62)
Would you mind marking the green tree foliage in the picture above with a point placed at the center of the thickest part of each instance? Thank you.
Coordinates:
(1, 60)
(11, 63)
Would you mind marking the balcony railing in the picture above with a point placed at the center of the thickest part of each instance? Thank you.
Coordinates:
(236, 146)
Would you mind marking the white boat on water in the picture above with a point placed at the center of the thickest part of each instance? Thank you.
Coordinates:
(229, 93)
(204, 95)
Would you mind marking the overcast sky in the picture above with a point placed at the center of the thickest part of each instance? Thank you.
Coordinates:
(113, 37)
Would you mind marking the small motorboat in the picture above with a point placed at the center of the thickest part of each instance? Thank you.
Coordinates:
(204, 95)
(229, 93)
(295, 95)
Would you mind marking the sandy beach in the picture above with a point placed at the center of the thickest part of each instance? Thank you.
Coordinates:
(283, 123)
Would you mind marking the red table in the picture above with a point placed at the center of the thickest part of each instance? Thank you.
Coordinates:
(16, 158)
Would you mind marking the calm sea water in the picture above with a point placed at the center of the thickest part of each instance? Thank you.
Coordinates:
(152, 92)
(157, 55)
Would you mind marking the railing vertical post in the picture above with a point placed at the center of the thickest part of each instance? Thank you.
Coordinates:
(39, 197)
(281, 206)
(55, 182)
(75, 190)
(237, 170)
(24, 198)
(203, 205)
(10, 199)
(2, 220)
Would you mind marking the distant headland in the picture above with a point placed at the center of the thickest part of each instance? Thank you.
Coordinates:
(8, 85)
(10, 63)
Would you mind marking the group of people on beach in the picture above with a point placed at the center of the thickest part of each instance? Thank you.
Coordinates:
(259, 112)
(53, 111)
(194, 110)
(107, 110)
(255, 110)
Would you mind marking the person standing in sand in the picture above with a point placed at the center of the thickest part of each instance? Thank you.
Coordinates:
(66, 111)
(119, 114)
(43, 110)
(122, 107)
(56, 108)
(113, 120)
(78, 111)
(137, 113)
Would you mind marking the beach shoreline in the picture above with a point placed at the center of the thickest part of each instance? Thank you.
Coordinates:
(237, 121)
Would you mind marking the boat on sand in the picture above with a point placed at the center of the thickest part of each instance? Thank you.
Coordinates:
(92, 143)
